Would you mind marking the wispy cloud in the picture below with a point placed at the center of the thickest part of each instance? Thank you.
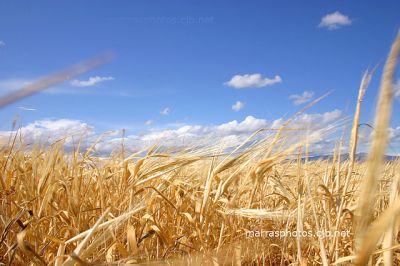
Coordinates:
(26, 108)
(251, 81)
(149, 122)
(165, 111)
(92, 81)
(13, 84)
(334, 21)
(2, 43)
(238, 106)
(8, 85)
(396, 88)
(306, 96)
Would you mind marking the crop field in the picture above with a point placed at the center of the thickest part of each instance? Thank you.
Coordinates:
(219, 133)
(260, 203)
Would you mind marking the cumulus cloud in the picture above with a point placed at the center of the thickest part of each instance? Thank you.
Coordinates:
(249, 124)
(311, 120)
(165, 111)
(2, 43)
(234, 132)
(367, 132)
(394, 136)
(238, 106)
(229, 134)
(49, 131)
(92, 81)
(334, 21)
(317, 126)
(306, 96)
(251, 81)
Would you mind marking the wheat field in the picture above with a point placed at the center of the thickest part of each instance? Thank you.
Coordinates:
(260, 203)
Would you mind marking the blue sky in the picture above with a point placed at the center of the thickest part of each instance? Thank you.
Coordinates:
(181, 57)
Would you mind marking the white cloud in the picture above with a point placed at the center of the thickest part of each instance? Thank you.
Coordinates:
(311, 121)
(230, 133)
(251, 81)
(306, 96)
(14, 84)
(321, 128)
(2, 43)
(89, 82)
(396, 89)
(334, 21)
(367, 132)
(329, 117)
(49, 131)
(8, 85)
(394, 133)
(149, 122)
(248, 125)
(394, 138)
(238, 106)
(26, 108)
(166, 111)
